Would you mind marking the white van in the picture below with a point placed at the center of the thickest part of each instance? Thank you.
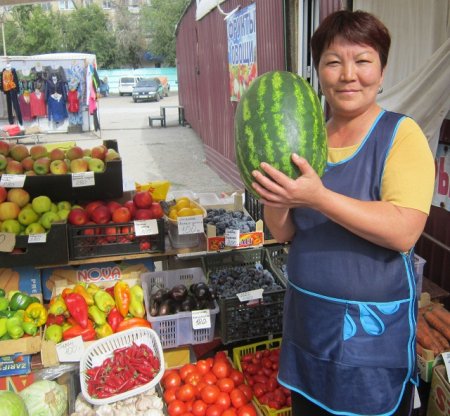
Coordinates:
(126, 84)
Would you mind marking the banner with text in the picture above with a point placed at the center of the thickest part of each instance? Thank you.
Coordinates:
(441, 196)
(241, 31)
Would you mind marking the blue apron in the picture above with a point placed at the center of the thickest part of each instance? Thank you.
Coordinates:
(350, 307)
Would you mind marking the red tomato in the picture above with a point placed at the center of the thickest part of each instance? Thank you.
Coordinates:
(199, 388)
(225, 384)
(199, 408)
(236, 376)
(221, 369)
(230, 412)
(209, 378)
(247, 410)
(193, 378)
(223, 400)
(186, 392)
(169, 394)
(171, 380)
(176, 408)
(203, 366)
(209, 394)
(221, 356)
(238, 398)
(214, 410)
(186, 369)
(247, 390)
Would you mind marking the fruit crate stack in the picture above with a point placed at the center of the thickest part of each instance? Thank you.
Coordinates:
(249, 292)
(278, 255)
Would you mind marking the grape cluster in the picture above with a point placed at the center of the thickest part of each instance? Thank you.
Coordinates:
(234, 220)
(228, 282)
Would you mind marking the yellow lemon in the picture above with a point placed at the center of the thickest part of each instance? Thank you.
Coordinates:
(197, 211)
(185, 212)
(183, 203)
(173, 214)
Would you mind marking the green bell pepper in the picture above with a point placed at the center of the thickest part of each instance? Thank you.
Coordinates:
(14, 327)
(2, 293)
(5, 337)
(29, 328)
(104, 301)
(4, 303)
(96, 315)
(20, 301)
(3, 329)
(7, 314)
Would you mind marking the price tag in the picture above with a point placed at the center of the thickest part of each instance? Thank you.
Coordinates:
(446, 359)
(70, 350)
(12, 181)
(232, 237)
(190, 225)
(145, 227)
(37, 238)
(7, 242)
(81, 179)
(201, 319)
(250, 295)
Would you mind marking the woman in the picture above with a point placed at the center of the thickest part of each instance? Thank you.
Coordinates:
(350, 307)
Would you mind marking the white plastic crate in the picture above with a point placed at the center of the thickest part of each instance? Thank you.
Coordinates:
(177, 329)
(104, 348)
(419, 264)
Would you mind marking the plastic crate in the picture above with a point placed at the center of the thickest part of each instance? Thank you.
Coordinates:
(104, 348)
(278, 255)
(177, 329)
(98, 240)
(247, 320)
(239, 352)
(256, 211)
(419, 264)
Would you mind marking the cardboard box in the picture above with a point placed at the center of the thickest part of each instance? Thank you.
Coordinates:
(108, 184)
(98, 273)
(15, 364)
(439, 398)
(54, 251)
(25, 279)
(16, 383)
(246, 240)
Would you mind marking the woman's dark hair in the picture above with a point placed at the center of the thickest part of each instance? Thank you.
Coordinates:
(356, 27)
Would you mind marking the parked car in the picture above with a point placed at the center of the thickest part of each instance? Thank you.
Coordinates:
(126, 84)
(148, 90)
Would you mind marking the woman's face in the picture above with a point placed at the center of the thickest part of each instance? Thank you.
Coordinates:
(350, 76)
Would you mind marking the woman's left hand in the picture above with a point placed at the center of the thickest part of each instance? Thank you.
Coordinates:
(279, 191)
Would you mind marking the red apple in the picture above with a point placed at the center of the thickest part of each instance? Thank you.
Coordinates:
(143, 199)
(111, 234)
(99, 152)
(37, 151)
(27, 163)
(101, 215)
(143, 214)
(90, 230)
(75, 152)
(131, 207)
(145, 245)
(19, 152)
(57, 154)
(78, 216)
(113, 205)
(14, 167)
(157, 210)
(128, 232)
(121, 214)
(90, 206)
(4, 148)
(3, 194)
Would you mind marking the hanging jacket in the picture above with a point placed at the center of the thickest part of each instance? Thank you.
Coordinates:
(350, 306)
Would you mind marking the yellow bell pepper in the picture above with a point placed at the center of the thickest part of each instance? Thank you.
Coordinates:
(36, 313)
(57, 306)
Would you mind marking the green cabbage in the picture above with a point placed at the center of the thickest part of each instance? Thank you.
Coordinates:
(11, 404)
(45, 398)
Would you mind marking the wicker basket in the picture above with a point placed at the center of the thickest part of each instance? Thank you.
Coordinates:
(96, 353)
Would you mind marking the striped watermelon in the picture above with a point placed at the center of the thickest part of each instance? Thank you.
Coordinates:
(278, 115)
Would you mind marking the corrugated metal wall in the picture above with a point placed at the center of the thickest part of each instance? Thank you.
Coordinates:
(203, 88)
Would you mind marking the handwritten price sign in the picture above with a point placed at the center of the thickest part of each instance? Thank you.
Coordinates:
(190, 225)
(201, 319)
(70, 350)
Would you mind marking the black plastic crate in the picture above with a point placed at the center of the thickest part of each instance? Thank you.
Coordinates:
(54, 251)
(278, 254)
(247, 320)
(98, 240)
(256, 211)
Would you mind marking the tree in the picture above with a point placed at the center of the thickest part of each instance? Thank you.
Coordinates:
(158, 22)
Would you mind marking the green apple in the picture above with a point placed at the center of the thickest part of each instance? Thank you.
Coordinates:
(27, 216)
(54, 207)
(3, 162)
(96, 165)
(10, 226)
(41, 204)
(63, 214)
(64, 205)
(34, 228)
(47, 218)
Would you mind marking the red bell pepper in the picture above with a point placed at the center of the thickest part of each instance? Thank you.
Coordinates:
(88, 333)
(114, 318)
(110, 290)
(77, 308)
(55, 319)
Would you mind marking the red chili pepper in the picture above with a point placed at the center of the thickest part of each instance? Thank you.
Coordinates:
(77, 308)
(114, 319)
(88, 333)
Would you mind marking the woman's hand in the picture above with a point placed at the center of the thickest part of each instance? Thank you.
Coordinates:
(279, 191)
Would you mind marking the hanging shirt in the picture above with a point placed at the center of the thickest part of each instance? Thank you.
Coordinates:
(73, 101)
(8, 81)
(37, 104)
(57, 110)
(25, 107)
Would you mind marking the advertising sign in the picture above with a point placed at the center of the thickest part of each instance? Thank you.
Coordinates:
(241, 32)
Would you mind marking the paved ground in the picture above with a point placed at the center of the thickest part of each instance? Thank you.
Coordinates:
(174, 153)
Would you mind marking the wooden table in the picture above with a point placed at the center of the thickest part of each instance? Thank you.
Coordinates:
(181, 120)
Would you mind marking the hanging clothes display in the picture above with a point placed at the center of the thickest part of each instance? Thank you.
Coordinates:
(25, 106)
(9, 84)
(38, 104)
(56, 96)
(73, 101)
